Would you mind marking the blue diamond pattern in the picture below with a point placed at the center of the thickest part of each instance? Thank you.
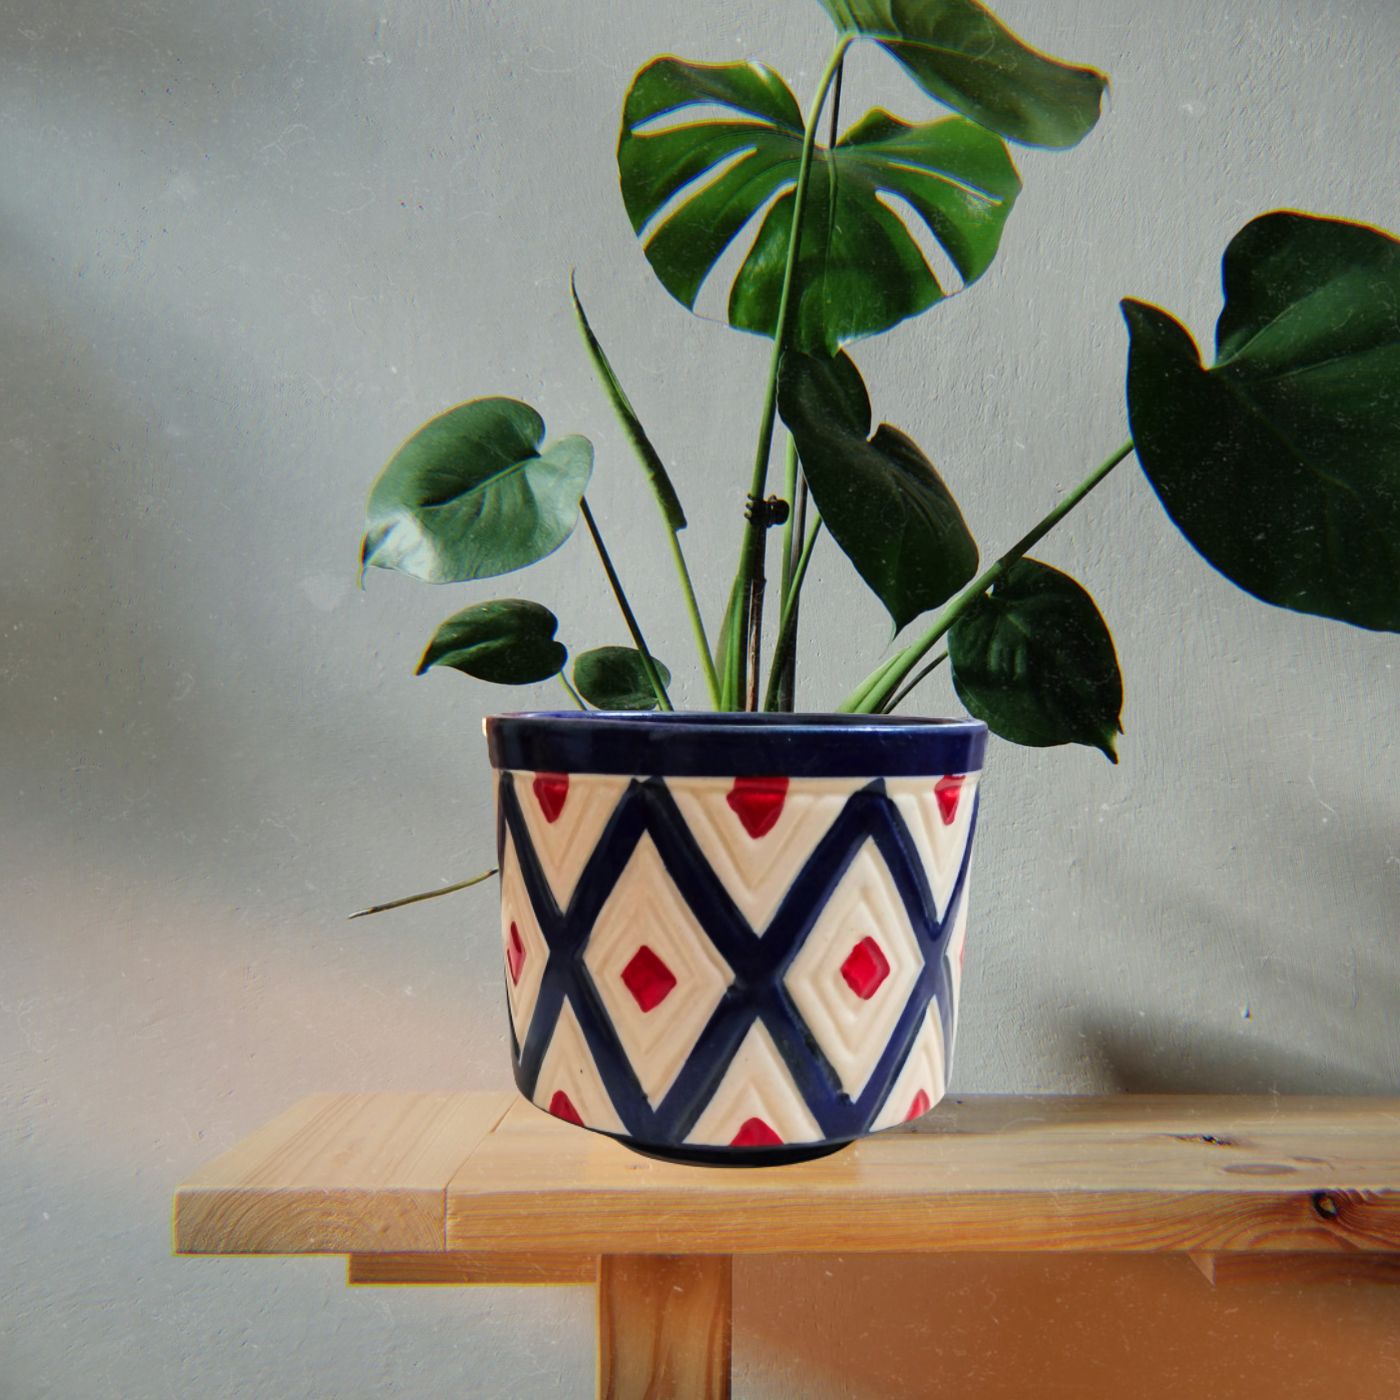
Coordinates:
(759, 964)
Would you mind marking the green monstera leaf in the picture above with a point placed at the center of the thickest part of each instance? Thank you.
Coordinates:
(880, 497)
(613, 678)
(691, 189)
(964, 57)
(1281, 463)
(472, 494)
(509, 641)
(1034, 662)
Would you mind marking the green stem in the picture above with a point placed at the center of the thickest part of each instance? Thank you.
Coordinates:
(782, 682)
(795, 537)
(729, 698)
(927, 671)
(628, 616)
(790, 551)
(573, 694)
(427, 894)
(697, 623)
(668, 502)
(751, 556)
(874, 693)
(787, 625)
(854, 702)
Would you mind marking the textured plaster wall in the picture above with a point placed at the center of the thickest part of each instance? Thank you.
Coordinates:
(245, 248)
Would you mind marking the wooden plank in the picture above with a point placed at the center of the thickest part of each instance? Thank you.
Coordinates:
(1122, 1174)
(1292, 1269)
(335, 1174)
(664, 1327)
(494, 1269)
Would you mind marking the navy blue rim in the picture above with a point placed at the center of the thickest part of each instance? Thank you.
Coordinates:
(735, 745)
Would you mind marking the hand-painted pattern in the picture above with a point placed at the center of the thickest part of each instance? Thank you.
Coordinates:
(733, 962)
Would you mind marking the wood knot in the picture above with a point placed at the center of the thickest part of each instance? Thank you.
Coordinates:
(1210, 1139)
(1325, 1205)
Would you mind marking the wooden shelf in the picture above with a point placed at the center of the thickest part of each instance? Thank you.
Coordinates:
(484, 1188)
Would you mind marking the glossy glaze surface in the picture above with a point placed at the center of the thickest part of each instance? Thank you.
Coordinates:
(737, 963)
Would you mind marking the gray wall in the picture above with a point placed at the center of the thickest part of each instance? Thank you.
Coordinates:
(245, 249)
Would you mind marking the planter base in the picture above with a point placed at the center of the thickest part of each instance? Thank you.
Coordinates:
(738, 1156)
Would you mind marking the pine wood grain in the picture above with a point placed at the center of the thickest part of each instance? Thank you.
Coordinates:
(337, 1173)
(1121, 1174)
(482, 1173)
(492, 1269)
(664, 1327)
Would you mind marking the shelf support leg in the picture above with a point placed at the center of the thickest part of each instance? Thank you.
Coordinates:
(664, 1326)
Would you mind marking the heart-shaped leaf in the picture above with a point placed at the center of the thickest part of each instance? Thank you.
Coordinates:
(1281, 463)
(879, 496)
(1034, 661)
(509, 641)
(472, 495)
(613, 678)
(691, 189)
(963, 56)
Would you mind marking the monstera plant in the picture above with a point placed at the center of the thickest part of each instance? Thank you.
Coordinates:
(1279, 460)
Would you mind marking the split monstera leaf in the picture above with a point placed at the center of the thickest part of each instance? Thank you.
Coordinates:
(1279, 461)
(691, 189)
(691, 186)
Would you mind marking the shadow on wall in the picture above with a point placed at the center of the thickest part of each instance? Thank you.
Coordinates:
(1329, 972)
(1153, 1055)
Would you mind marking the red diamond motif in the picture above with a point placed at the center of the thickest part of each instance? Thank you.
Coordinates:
(562, 1106)
(648, 979)
(755, 1133)
(865, 968)
(515, 954)
(758, 803)
(551, 792)
(918, 1108)
(947, 791)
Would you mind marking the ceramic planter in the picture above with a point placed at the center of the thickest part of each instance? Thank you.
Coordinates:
(733, 938)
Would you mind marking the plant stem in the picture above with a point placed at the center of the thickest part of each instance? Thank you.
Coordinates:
(730, 699)
(927, 671)
(787, 625)
(783, 694)
(427, 894)
(757, 588)
(628, 616)
(792, 543)
(782, 686)
(834, 129)
(573, 694)
(853, 703)
(751, 556)
(697, 623)
(658, 478)
(874, 693)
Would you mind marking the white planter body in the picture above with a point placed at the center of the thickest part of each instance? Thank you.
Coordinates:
(738, 967)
